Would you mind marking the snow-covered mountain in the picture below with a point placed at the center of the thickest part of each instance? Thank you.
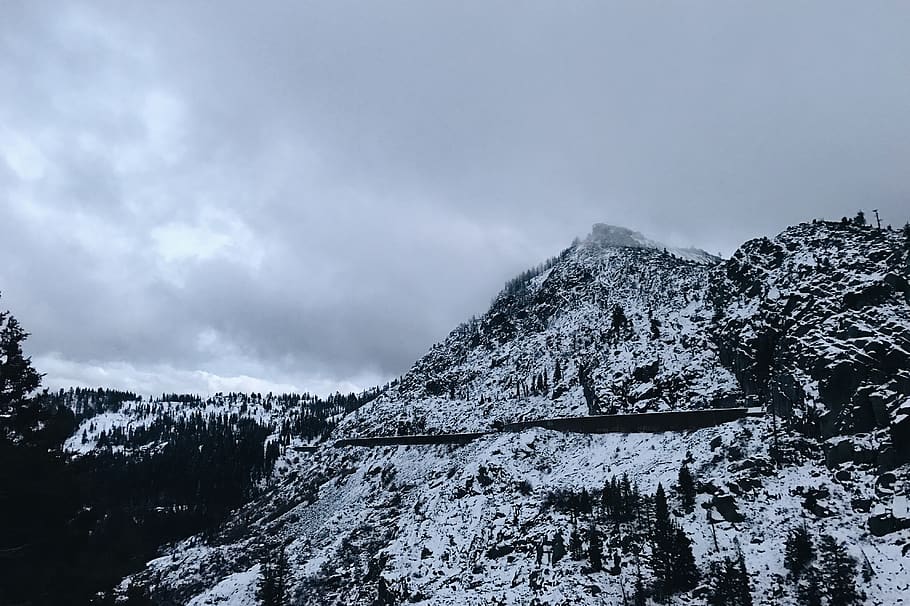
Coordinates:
(815, 321)
(617, 313)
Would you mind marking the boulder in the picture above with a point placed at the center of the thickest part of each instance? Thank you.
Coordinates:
(873, 294)
(646, 372)
(882, 524)
(861, 505)
(884, 484)
(837, 451)
(725, 504)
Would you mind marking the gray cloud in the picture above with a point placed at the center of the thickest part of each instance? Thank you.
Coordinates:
(309, 195)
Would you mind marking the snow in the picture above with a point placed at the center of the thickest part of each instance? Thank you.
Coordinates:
(238, 589)
(426, 509)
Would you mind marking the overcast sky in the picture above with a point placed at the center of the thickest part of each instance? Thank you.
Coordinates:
(204, 196)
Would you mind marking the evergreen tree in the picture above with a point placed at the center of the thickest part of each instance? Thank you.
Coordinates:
(728, 583)
(798, 551)
(584, 502)
(595, 549)
(282, 578)
(860, 219)
(18, 379)
(640, 595)
(655, 327)
(557, 373)
(662, 556)
(906, 232)
(672, 560)
(266, 589)
(685, 572)
(559, 547)
(385, 595)
(839, 572)
(272, 588)
(809, 591)
(686, 488)
(744, 595)
(587, 388)
(137, 595)
(576, 549)
(619, 320)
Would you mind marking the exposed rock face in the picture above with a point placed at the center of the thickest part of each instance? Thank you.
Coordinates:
(725, 504)
(818, 320)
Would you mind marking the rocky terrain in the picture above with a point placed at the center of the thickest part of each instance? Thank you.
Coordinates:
(812, 325)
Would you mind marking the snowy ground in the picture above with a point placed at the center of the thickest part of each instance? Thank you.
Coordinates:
(424, 508)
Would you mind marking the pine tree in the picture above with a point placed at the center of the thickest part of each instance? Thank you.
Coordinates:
(744, 588)
(729, 583)
(619, 320)
(809, 591)
(282, 578)
(587, 388)
(595, 549)
(266, 590)
(559, 547)
(661, 531)
(272, 588)
(640, 597)
(798, 551)
(686, 488)
(385, 595)
(18, 380)
(575, 546)
(685, 572)
(860, 219)
(584, 501)
(655, 327)
(839, 572)
(672, 560)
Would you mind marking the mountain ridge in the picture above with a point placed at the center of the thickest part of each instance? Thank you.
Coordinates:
(812, 324)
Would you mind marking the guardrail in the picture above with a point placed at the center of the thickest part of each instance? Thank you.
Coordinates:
(645, 422)
(648, 422)
(442, 438)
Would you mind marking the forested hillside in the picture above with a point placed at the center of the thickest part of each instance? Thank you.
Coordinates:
(96, 481)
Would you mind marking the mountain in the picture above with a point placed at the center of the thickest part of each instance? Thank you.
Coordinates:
(628, 315)
(813, 326)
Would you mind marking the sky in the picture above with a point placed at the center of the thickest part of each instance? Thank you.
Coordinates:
(290, 196)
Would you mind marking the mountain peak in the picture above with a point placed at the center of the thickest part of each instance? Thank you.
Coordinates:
(603, 234)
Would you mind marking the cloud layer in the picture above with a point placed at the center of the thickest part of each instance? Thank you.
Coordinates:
(307, 196)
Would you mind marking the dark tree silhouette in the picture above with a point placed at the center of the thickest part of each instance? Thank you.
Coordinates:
(728, 582)
(809, 591)
(838, 572)
(672, 560)
(595, 549)
(686, 487)
(559, 547)
(798, 551)
(18, 379)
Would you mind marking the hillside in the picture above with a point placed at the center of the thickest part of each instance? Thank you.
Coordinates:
(813, 324)
(625, 322)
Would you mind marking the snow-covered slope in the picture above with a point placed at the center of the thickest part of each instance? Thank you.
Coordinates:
(615, 311)
(815, 321)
